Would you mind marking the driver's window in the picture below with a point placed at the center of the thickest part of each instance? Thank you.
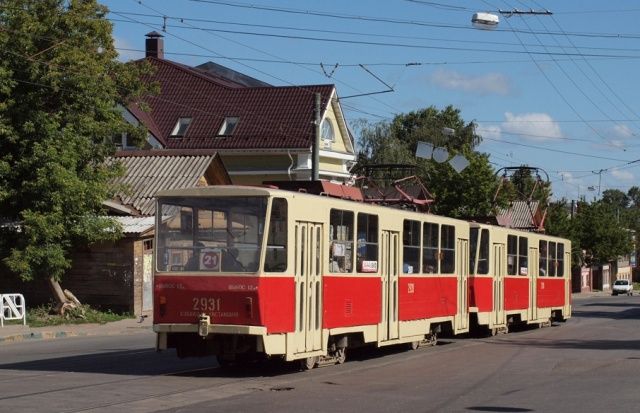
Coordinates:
(276, 255)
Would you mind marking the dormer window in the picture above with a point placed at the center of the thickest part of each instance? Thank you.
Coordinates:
(228, 126)
(181, 128)
(326, 131)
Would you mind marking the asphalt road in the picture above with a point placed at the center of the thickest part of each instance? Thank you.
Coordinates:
(589, 364)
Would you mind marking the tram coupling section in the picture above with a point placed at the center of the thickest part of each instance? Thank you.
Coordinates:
(203, 325)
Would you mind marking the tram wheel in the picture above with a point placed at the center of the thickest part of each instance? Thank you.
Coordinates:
(308, 363)
(414, 345)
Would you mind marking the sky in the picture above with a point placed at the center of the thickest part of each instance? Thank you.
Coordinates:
(554, 91)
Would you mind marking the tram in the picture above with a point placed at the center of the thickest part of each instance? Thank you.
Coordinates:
(242, 272)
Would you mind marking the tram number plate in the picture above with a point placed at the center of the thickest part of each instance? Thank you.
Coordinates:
(206, 304)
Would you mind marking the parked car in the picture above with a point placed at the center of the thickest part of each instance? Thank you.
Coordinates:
(622, 287)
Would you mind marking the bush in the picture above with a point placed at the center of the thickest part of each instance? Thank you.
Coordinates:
(43, 316)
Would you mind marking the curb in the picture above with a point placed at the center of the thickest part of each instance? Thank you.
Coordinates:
(50, 335)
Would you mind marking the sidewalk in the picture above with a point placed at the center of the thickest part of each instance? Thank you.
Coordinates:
(18, 333)
(593, 294)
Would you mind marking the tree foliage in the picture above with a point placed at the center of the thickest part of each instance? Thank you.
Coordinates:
(465, 194)
(597, 230)
(60, 87)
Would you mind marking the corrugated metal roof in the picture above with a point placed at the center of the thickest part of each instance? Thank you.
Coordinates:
(146, 175)
(135, 225)
(521, 214)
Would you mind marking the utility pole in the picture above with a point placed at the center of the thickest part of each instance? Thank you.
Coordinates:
(315, 147)
(599, 178)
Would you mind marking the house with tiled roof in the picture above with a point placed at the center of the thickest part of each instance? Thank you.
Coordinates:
(262, 132)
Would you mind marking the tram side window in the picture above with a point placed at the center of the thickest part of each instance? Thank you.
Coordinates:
(473, 249)
(367, 243)
(448, 249)
(276, 254)
(560, 258)
(512, 255)
(523, 252)
(430, 248)
(483, 253)
(542, 249)
(552, 259)
(411, 247)
(341, 238)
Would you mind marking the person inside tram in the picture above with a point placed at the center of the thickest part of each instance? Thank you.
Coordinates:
(193, 263)
(230, 261)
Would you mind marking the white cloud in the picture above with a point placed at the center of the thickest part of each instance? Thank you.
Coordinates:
(567, 177)
(126, 55)
(622, 175)
(489, 131)
(617, 143)
(487, 84)
(622, 131)
(533, 126)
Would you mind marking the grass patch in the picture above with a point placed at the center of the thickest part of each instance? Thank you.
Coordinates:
(43, 316)
(636, 286)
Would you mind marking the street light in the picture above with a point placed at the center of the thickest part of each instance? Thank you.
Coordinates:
(489, 21)
(485, 20)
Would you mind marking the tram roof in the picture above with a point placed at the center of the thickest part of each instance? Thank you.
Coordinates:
(219, 190)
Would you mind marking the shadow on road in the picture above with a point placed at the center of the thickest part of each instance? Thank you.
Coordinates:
(148, 362)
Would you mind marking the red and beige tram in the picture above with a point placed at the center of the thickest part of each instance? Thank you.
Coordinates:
(244, 271)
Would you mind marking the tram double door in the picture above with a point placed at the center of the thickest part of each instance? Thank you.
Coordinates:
(499, 270)
(462, 316)
(534, 268)
(308, 282)
(389, 327)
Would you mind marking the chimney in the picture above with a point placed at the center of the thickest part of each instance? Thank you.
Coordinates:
(154, 45)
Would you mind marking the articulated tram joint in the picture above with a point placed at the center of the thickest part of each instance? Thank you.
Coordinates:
(204, 321)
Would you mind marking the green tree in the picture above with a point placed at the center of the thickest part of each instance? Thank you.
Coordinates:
(599, 232)
(60, 87)
(521, 185)
(465, 194)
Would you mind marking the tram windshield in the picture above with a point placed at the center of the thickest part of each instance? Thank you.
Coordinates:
(221, 234)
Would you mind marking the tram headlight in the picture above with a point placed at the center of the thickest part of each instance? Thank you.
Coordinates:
(162, 305)
(248, 305)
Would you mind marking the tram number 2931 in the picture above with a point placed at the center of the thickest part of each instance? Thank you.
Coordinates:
(206, 304)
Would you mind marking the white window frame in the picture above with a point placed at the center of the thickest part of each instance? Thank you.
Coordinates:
(186, 122)
(327, 122)
(226, 124)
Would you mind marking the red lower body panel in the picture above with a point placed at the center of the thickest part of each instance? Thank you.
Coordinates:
(427, 297)
(516, 293)
(481, 293)
(351, 301)
(551, 292)
(250, 300)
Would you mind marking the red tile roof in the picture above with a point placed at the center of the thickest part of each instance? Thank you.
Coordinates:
(269, 117)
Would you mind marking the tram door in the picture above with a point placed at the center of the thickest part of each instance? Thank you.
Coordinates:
(533, 282)
(463, 273)
(389, 329)
(498, 284)
(308, 280)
